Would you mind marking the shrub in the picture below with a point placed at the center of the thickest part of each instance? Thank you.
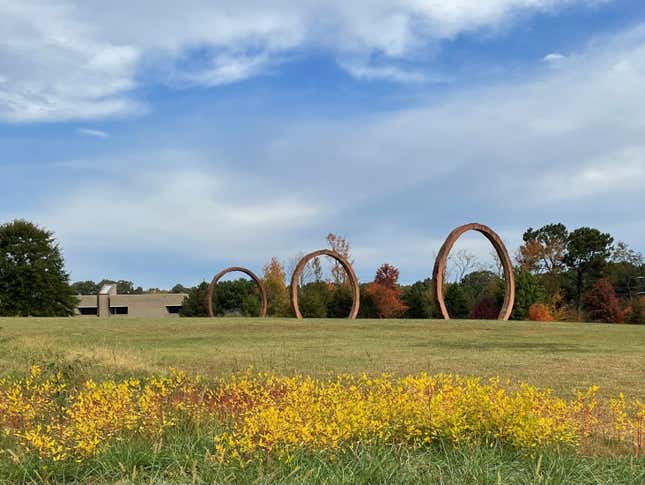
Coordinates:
(539, 312)
(486, 309)
(601, 304)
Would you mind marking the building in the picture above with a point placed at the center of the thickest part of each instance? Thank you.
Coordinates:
(108, 303)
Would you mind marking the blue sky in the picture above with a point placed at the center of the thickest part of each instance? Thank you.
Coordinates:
(162, 141)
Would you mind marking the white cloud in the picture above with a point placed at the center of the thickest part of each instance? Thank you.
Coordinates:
(178, 204)
(93, 132)
(79, 59)
(554, 58)
(361, 70)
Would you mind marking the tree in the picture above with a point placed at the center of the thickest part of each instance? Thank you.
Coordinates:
(194, 305)
(234, 297)
(528, 290)
(179, 288)
(624, 269)
(85, 287)
(33, 281)
(419, 299)
(342, 247)
(340, 301)
(464, 261)
(544, 248)
(276, 289)
(479, 285)
(385, 293)
(543, 254)
(586, 254)
(125, 287)
(455, 301)
(387, 275)
(601, 303)
(313, 299)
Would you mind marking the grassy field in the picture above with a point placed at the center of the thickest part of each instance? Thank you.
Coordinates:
(563, 356)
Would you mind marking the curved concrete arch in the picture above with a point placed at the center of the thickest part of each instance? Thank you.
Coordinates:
(218, 276)
(346, 266)
(496, 241)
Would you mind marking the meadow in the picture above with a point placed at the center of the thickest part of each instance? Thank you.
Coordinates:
(130, 357)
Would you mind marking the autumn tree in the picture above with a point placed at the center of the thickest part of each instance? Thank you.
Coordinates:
(543, 254)
(601, 304)
(385, 293)
(276, 289)
(544, 249)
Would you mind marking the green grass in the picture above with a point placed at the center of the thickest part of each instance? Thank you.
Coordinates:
(564, 356)
(184, 461)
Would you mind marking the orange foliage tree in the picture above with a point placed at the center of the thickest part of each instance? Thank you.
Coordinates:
(385, 293)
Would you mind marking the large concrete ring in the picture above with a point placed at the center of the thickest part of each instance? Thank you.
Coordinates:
(496, 241)
(346, 266)
(216, 278)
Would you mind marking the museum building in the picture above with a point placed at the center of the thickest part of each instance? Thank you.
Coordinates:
(108, 303)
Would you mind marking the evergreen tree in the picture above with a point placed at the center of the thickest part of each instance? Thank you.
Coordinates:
(587, 252)
(419, 300)
(33, 281)
(194, 305)
(528, 290)
(313, 300)
(456, 302)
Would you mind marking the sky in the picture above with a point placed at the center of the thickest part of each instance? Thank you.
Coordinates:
(162, 141)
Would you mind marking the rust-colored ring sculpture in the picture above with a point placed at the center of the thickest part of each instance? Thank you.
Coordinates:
(346, 266)
(216, 278)
(496, 241)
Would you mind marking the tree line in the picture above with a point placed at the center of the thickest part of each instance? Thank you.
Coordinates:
(560, 275)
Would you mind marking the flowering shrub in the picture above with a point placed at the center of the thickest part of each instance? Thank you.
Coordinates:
(249, 413)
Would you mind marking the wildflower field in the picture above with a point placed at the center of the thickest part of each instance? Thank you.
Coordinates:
(68, 416)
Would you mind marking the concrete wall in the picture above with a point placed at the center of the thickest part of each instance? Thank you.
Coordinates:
(148, 305)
